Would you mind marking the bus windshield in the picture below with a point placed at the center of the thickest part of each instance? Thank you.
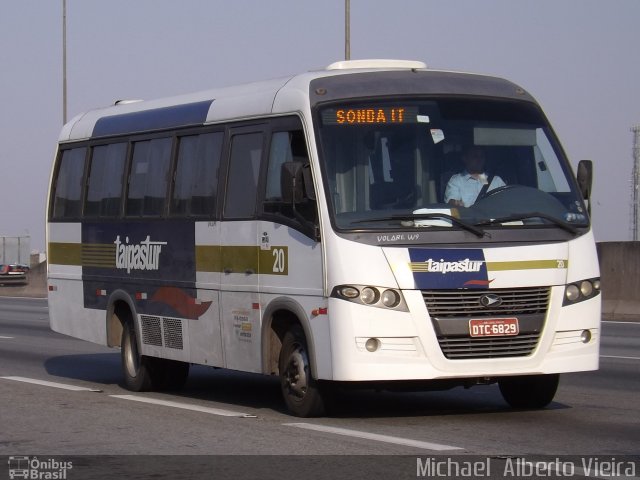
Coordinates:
(443, 163)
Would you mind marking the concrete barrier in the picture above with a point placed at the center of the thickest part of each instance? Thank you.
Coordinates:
(620, 278)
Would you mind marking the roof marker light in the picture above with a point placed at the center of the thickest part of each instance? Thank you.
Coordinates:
(377, 63)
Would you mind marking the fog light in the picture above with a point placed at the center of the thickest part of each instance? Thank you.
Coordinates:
(372, 344)
(572, 293)
(586, 288)
(585, 336)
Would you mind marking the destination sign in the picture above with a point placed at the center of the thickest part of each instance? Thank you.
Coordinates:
(373, 115)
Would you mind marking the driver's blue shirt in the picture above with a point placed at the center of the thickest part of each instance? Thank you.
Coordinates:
(463, 186)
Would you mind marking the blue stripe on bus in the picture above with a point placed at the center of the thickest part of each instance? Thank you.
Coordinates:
(155, 119)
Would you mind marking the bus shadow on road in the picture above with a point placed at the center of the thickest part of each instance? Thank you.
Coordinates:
(103, 368)
(250, 390)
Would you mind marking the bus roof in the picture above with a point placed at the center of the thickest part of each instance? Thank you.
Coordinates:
(341, 80)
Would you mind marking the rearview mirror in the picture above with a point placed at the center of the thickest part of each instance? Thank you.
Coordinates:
(296, 182)
(585, 178)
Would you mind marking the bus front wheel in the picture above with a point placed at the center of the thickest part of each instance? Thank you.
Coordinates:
(530, 391)
(300, 390)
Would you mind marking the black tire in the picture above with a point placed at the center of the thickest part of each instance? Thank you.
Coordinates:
(138, 369)
(530, 391)
(301, 392)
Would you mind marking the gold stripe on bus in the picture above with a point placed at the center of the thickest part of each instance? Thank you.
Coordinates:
(418, 267)
(65, 253)
(99, 255)
(208, 258)
(84, 255)
(527, 265)
(421, 267)
(242, 259)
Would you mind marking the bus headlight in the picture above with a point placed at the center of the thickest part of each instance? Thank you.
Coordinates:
(580, 291)
(586, 288)
(369, 295)
(572, 293)
(390, 298)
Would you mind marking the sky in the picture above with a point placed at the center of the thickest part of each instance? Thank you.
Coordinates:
(579, 58)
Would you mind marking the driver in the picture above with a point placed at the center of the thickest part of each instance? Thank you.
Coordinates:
(463, 189)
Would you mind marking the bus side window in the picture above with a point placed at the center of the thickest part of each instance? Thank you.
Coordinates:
(289, 146)
(148, 177)
(196, 179)
(105, 180)
(242, 180)
(67, 200)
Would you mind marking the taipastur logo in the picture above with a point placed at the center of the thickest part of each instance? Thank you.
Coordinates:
(465, 266)
(138, 256)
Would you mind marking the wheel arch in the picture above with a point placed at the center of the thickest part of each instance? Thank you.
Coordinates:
(121, 309)
(279, 316)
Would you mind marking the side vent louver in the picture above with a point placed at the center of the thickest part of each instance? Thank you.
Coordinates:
(162, 332)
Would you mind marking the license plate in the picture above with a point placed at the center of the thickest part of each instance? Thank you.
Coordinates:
(494, 327)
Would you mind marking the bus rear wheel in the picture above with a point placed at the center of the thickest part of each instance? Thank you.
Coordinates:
(142, 373)
(300, 390)
(137, 369)
(530, 391)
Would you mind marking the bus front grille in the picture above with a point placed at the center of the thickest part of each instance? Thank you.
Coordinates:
(513, 301)
(489, 347)
(451, 310)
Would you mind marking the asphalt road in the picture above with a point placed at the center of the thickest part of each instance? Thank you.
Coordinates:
(223, 413)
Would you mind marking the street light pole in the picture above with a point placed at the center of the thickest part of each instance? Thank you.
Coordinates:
(347, 29)
(64, 61)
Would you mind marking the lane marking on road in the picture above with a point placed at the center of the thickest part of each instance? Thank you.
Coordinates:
(622, 323)
(619, 357)
(5, 338)
(46, 383)
(374, 436)
(185, 406)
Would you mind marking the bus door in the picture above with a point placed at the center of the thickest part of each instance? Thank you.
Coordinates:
(290, 252)
(239, 254)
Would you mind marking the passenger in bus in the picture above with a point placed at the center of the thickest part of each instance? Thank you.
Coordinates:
(463, 189)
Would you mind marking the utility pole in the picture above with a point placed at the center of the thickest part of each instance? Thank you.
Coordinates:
(635, 186)
(64, 61)
(347, 29)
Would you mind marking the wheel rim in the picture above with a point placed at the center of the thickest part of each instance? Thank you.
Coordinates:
(131, 360)
(295, 375)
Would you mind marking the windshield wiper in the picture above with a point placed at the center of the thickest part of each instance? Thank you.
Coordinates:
(523, 216)
(428, 216)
